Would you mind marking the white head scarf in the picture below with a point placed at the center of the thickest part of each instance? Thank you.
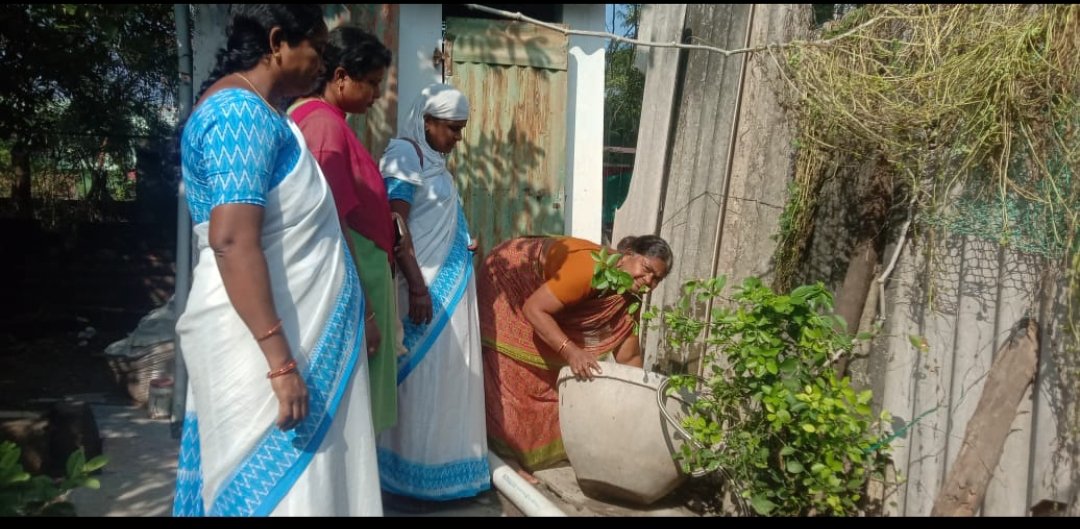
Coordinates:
(438, 101)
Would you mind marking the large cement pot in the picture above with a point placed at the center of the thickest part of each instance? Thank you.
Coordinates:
(619, 444)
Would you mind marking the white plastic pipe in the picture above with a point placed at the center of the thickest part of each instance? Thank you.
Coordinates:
(525, 497)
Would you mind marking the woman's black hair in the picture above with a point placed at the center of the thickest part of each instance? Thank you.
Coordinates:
(355, 50)
(649, 246)
(249, 31)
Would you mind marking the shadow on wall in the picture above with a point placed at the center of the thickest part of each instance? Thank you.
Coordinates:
(962, 297)
(501, 198)
(1058, 379)
(510, 167)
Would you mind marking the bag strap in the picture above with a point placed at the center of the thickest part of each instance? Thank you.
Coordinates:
(419, 153)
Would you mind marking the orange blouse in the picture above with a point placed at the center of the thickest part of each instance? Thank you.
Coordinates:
(568, 268)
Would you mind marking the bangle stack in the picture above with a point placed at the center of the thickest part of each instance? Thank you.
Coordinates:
(563, 346)
(289, 367)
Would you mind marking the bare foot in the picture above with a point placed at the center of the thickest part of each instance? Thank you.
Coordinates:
(528, 477)
(531, 479)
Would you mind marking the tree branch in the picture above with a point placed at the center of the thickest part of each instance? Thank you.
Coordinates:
(896, 256)
(612, 36)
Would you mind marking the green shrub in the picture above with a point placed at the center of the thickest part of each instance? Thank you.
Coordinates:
(771, 412)
(24, 495)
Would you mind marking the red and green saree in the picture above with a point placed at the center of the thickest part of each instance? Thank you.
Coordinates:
(520, 369)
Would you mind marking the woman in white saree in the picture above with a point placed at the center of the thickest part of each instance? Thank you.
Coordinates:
(438, 450)
(273, 289)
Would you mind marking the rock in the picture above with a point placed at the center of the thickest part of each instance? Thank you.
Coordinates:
(71, 426)
(29, 430)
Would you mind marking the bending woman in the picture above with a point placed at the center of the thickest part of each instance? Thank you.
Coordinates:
(539, 312)
(438, 450)
(278, 420)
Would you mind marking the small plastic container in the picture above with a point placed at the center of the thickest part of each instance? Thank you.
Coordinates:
(159, 405)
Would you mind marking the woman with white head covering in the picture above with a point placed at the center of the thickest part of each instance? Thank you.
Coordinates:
(438, 449)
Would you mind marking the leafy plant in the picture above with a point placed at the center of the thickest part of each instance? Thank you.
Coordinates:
(24, 495)
(771, 411)
(608, 277)
(64, 122)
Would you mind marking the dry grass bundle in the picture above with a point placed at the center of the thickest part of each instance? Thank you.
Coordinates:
(971, 101)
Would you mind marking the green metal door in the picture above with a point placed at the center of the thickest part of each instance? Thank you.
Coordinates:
(511, 165)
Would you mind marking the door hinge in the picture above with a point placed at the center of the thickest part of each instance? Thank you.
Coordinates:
(442, 59)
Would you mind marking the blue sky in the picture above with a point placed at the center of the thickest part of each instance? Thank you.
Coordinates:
(619, 28)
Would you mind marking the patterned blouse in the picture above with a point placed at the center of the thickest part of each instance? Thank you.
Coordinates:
(234, 150)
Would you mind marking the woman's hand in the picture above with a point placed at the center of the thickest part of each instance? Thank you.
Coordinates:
(477, 253)
(581, 363)
(235, 236)
(539, 310)
(420, 309)
(292, 395)
(372, 334)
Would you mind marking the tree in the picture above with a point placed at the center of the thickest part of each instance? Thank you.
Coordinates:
(83, 81)
(625, 84)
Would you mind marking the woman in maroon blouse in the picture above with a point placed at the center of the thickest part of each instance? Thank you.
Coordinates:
(356, 64)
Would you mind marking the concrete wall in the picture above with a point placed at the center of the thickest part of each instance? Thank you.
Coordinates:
(420, 35)
(763, 160)
(979, 292)
(585, 123)
(714, 149)
(640, 212)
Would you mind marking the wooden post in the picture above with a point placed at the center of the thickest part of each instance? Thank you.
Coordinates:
(1010, 374)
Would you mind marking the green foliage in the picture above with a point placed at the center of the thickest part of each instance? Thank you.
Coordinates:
(797, 440)
(24, 495)
(609, 278)
(82, 85)
(104, 59)
(971, 110)
(786, 220)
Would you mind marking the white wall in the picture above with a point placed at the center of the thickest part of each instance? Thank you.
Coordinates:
(585, 123)
(419, 34)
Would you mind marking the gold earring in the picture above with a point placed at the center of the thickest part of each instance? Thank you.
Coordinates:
(277, 57)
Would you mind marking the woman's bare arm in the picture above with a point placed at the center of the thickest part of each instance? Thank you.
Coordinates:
(629, 352)
(372, 335)
(236, 238)
(540, 309)
(420, 308)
